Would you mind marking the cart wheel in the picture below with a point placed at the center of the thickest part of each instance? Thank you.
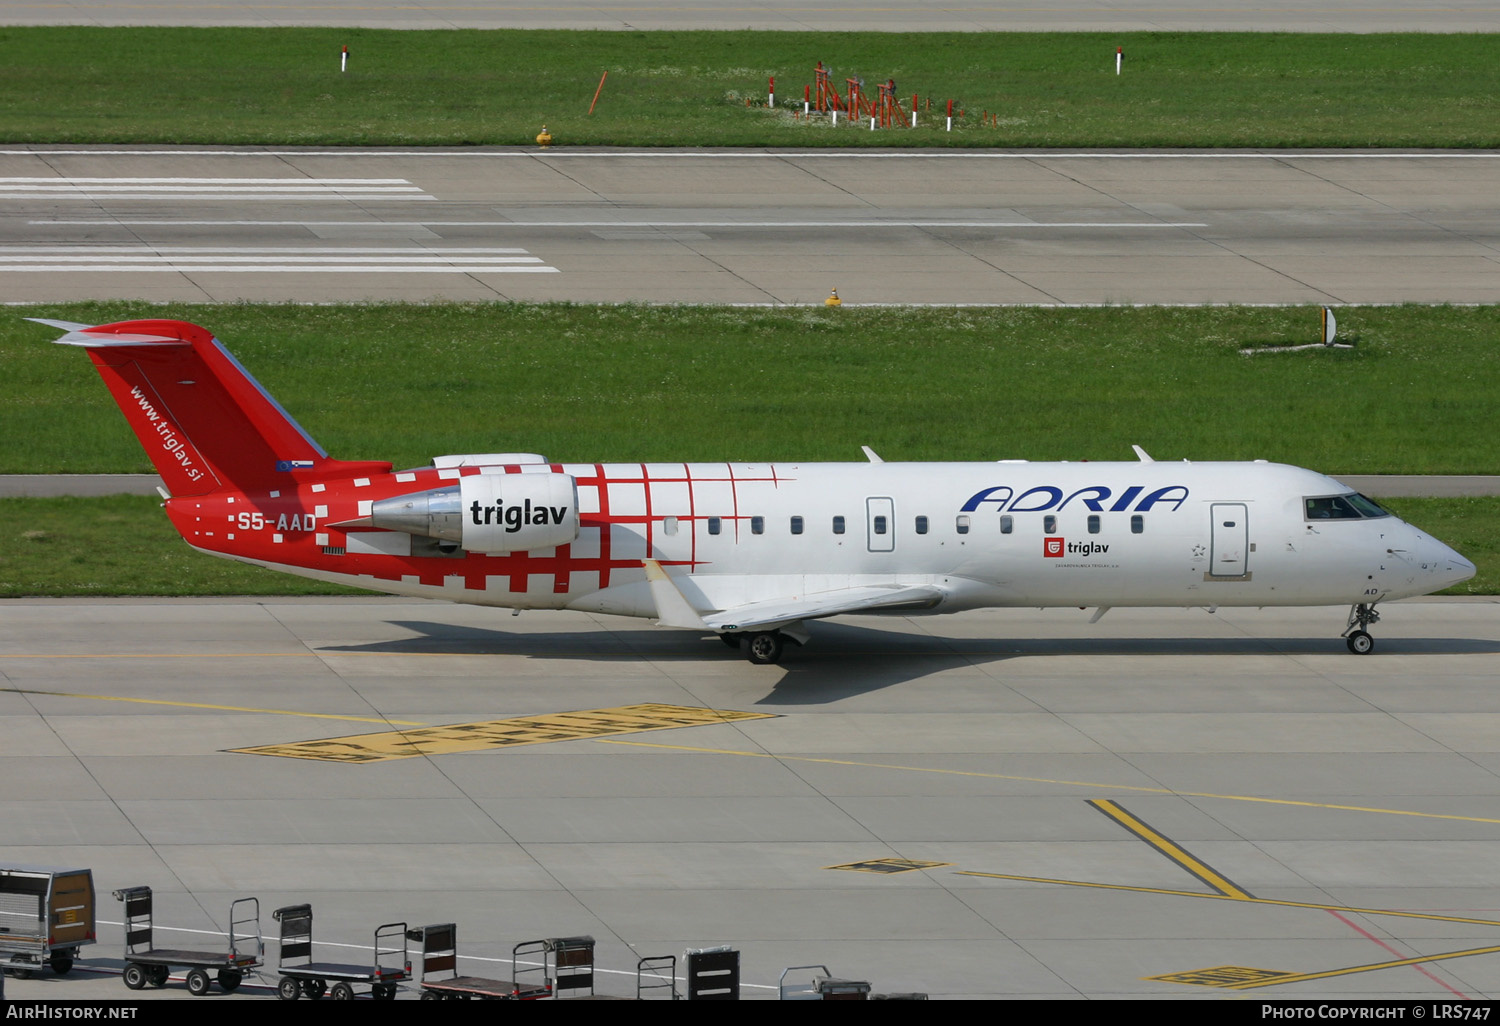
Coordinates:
(288, 989)
(342, 992)
(157, 975)
(229, 980)
(134, 976)
(197, 982)
(383, 991)
(61, 964)
(315, 989)
(431, 995)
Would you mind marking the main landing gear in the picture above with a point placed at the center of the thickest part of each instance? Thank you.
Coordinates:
(763, 648)
(1361, 615)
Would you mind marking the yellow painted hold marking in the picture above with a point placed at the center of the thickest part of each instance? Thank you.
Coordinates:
(888, 866)
(1224, 976)
(1092, 785)
(221, 708)
(1371, 967)
(529, 730)
(1170, 849)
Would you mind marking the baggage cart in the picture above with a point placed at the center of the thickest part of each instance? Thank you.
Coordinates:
(440, 955)
(147, 964)
(300, 975)
(46, 915)
(821, 986)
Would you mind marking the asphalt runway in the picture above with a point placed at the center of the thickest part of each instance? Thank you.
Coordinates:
(751, 227)
(826, 16)
(1005, 804)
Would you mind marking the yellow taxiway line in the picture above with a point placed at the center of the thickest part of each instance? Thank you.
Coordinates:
(220, 708)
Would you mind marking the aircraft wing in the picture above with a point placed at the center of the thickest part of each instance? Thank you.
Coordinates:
(674, 610)
(828, 603)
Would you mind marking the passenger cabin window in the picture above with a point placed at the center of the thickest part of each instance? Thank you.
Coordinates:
(838, 525)
(1137, 524)
(669, 525)
(796, 525)
(1093, 523)
(1007, 524)
(757, 525)
(962, 524)
(715, 525)
(1049, 524)
(921, 525)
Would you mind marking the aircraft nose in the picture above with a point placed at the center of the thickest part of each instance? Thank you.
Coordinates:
(1446, 565)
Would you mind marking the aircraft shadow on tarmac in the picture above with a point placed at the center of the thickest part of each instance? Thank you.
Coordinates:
(846, 660)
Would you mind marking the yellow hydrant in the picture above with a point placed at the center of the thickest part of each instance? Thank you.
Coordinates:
(833, 299)
(544, 138)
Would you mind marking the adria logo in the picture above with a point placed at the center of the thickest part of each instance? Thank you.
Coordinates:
(1052, 547)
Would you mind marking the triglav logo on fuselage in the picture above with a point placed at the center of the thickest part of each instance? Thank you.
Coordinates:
(513, 518)
(1004, 499)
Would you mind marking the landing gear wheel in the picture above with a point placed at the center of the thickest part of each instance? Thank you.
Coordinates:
(134, 976)
(1361, 615)
(229, 980)
(288, 989)
(341, 992)
(197, 982)
(61, 964)
(763, 648)
(315, 989)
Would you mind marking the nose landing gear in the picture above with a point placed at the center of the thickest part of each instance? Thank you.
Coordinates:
(1361, 615)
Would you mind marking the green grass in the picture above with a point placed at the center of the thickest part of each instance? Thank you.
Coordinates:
(407, 382)
(124, 545)
(283, 87)
(120, 545)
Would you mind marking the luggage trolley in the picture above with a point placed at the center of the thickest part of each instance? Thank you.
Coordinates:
(145, 963)
(388, 966)
(46, 915)
(440, 954)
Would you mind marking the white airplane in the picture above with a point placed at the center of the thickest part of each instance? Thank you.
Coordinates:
(747, 551)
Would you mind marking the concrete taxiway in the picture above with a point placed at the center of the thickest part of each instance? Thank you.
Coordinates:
(1016, 803)
(754, 227)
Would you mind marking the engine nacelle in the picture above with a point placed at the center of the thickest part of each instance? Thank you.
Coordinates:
(488, 512)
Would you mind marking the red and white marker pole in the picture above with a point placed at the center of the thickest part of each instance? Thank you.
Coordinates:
(771, 92)
(344, 60)
(1119, 58)
(950, 115)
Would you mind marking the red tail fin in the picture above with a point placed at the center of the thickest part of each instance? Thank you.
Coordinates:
(204, 422)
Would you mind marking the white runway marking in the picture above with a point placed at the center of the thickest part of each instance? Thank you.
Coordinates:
(33, 187)
(271, 259)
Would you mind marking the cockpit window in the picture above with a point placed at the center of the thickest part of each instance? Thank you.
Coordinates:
(1334, 507)
(1352, 506)
(1366, 506)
